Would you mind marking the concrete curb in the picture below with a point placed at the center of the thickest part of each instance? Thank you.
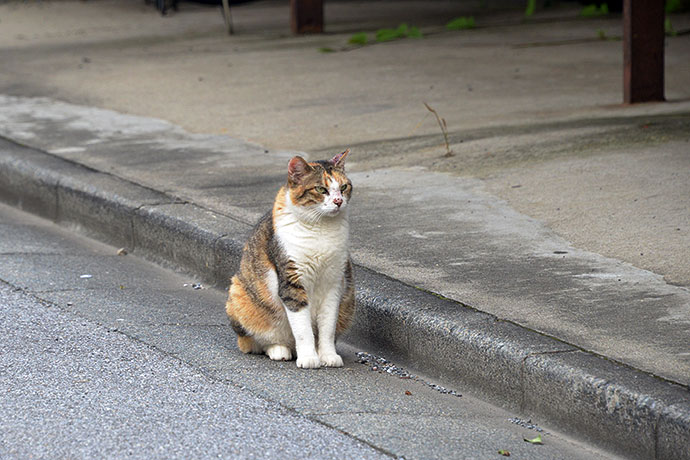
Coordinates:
(615, 406)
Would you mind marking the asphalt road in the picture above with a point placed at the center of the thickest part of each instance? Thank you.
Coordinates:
(108, 356)
(74, 389)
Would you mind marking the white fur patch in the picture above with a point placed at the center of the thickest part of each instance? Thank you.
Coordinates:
(319, 250)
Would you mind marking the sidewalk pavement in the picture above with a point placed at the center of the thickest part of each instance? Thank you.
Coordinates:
(545, 264)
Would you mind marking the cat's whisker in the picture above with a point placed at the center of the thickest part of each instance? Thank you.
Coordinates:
(313, 216)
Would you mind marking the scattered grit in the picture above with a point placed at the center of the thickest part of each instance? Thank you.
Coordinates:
(382, 365)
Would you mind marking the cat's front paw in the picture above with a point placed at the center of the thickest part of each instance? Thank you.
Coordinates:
(308, 361)
(279, 353)
(331, 360)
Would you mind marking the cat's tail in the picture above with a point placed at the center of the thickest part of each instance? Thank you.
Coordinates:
(247, 344)
(233, 307)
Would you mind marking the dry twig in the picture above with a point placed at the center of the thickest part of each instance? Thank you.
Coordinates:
(444, 129)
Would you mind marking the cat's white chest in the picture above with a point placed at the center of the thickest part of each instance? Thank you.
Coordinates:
(319, 252)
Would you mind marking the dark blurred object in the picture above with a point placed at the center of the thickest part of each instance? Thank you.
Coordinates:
(164, 5)
(306, 16)
(218, 2)
(643, 51)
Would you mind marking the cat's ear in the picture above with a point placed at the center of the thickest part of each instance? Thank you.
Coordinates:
(339, 160)
(297, 169)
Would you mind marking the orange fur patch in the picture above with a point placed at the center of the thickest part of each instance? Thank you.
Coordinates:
(241, 308)
(245, 344)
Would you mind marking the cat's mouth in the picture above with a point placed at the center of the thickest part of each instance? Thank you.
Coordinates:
(334, 211)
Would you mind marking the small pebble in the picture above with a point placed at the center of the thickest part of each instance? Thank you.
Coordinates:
(527, 424)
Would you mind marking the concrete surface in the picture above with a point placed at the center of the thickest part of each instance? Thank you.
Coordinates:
(468, 245)
(142, 366)
(560, 211)
(600, 402)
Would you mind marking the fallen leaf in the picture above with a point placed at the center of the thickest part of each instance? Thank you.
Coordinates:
(122, 252)
(505, 453)
(408, 393)
(536, 440)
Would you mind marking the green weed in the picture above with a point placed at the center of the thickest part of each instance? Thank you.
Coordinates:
(402, 31)
(358, 39)
(461, 23)
(414, 32)
(668, 28)
(673, 6)
(593, 10)
(531, 8)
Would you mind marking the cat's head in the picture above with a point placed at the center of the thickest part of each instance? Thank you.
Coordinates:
(319, 189)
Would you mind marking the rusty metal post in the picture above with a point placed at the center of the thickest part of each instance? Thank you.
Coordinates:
(643, 51)
(306, 16)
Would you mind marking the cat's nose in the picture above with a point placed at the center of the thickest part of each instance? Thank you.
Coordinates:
(338, 201)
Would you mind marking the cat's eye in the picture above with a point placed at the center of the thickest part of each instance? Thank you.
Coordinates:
(323, 190)
(343, 187)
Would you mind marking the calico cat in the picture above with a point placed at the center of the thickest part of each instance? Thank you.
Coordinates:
(294, 292)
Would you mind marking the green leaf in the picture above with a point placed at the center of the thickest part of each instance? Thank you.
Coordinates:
(326, 49)
(358, 39)
(461, 23)
(505, 453)
(536, 440)
(531, 7)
